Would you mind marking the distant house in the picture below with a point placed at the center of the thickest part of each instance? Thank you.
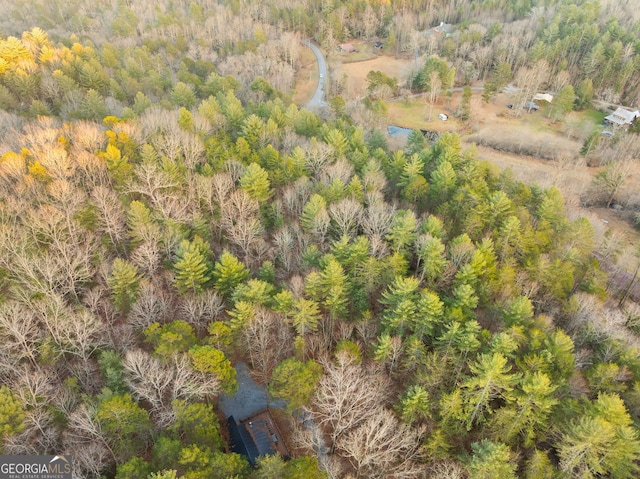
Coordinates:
(256, 436)
(443, 28)
(347, 48)
(543, 97)
(622, 118)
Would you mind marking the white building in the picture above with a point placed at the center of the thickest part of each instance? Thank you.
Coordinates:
(543, 97)
(622, 117)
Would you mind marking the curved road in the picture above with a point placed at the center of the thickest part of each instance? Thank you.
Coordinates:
(317, 100)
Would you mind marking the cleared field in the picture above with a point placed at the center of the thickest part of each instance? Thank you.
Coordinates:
(306, 78)
(525, 139)
(356, 72)
(414, 113)
(536, 148)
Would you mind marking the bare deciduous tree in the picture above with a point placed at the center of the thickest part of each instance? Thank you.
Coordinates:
(112, 213)
(160, 383)
(529, 79)
(317, 156)
(240, 222)
(377, 219)
(435, 86)
(382, 447)
(39, 435)
(347, 395)
(268, 341)
(295, 197)
(288, 244)
(199, 310)
(192, 149)
(85, 437)
(608, 184)
(87, 136)
(448, 469)
(147, 257)
(20, 333)
(222, 185)
(92, 171)
(75, 331)
(151, 181)
(345, 215)
(341, 170)
(35, 388)
(153, 304)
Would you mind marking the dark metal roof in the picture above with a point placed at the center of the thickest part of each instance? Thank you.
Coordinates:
(241, 441)
(263, 437)
(256, 436)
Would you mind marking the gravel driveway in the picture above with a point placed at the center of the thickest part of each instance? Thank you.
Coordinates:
(249, 399)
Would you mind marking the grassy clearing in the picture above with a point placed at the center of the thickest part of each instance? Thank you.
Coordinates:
(414, 113)
(365, 52)
(360, 56)
(539, 122)
(595, 116)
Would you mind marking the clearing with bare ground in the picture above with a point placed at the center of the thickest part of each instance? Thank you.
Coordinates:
(307, 77)
(535, 148)
(356, 83)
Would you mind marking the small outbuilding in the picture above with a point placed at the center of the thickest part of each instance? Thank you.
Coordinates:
(543, 97)
(347, 48)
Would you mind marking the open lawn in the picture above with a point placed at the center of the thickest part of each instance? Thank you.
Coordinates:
(414, 114)
(596, 116)
(365, 52)
(356, 73)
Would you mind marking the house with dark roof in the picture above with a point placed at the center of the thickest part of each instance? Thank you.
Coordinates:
(256, 436)
(622, 118)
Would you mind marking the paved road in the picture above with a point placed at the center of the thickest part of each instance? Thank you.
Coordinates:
(317, 101)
